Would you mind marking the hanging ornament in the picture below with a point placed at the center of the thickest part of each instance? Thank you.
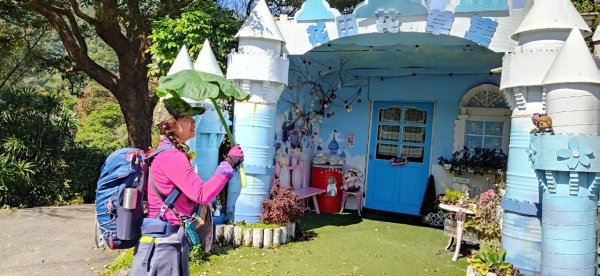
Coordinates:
(359, 101)
(332, 113)
(333, 96)
(303, 131)
(298, 111)
(328, 115)
(348, 108)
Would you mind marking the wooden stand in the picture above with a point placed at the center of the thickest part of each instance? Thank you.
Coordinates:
(460, 217)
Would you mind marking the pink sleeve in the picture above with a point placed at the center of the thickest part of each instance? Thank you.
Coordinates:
(180, 172)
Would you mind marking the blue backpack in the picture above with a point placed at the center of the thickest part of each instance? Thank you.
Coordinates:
(119, 194)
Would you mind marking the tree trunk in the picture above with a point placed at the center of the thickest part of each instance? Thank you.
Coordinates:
(134, 97)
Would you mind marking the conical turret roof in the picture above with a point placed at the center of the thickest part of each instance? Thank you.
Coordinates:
(552, 15)
(206, 61)
(182, 62)
(574, 63)
(596, 36)
(260, 24)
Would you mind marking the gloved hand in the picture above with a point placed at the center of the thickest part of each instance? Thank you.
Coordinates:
(235, 156)
(225, 169)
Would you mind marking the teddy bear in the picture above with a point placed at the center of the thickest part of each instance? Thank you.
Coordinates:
(543, 124)
(352, 180)
(331, 186)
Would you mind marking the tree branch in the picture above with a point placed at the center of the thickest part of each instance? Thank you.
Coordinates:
(70, 42)
(80, 14)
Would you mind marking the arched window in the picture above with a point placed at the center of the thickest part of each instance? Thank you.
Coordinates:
(484, 119)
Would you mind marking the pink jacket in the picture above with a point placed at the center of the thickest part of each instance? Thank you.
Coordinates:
(172, 168)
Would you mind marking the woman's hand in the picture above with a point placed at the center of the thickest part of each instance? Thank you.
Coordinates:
(235, 156)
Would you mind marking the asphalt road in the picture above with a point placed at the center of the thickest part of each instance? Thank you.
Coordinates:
(51, 241)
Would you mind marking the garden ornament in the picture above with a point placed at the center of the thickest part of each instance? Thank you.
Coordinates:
(331, 186)
(352, 180)
(543, 124)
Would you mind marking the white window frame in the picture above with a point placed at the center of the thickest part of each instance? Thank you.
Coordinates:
(481, 114)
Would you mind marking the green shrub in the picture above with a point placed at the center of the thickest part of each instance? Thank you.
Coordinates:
(35, 129)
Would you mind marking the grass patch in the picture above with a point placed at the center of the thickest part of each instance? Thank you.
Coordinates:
(259, 225)
(123, 261)
(375, 244)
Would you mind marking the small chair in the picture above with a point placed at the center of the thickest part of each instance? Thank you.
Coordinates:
(358, 195)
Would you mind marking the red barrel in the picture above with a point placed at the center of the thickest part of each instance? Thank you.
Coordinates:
(326, 177)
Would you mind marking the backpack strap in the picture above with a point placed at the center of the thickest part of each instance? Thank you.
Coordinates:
(169, 200)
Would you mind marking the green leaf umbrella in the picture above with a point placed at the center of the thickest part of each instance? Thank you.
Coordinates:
(199, 86)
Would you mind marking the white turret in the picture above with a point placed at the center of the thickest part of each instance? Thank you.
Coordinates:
(206, 61)
(182, 62)
(596, 43)
(258, 58)
(572, 89)
(258, 67)
(209, 130)
(540, 36)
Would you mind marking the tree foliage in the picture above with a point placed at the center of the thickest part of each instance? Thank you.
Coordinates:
(289, 7)
(203, 20)
(124, 27)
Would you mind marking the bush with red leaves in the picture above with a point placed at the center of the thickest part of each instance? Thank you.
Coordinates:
(282, 208)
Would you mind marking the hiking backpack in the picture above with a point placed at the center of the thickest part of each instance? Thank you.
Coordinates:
(119, 194)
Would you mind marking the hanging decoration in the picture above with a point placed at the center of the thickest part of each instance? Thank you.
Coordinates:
(346, 25)
(481, 31)
(439, 22)
(387, 21)
(324, 89)
(317, 34)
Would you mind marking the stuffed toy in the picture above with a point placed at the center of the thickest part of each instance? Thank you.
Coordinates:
(352, 180)
(331, 186)
(543, 124)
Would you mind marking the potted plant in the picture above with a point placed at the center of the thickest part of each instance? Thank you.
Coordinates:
(486, 222)
(479, 161)
(490, 261)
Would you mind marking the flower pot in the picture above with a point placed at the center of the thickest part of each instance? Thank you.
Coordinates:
(589, 17)
(472, 272)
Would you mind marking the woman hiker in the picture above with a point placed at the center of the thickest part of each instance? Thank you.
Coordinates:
(164, 246)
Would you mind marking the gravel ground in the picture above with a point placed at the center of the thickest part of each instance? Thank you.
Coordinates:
(51, 241)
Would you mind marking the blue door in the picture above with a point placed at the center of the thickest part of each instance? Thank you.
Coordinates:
(399, 129)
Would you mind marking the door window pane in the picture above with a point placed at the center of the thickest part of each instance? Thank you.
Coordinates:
(413, 153)
(415, 116)
(388, 133)
(391, 114)
(413, 134)
(386, 151)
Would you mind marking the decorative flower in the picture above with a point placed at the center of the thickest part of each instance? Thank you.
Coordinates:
(575, 155)
(191, 155)
(531, 152)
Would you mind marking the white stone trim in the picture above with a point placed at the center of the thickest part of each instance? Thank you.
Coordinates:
(483, 114)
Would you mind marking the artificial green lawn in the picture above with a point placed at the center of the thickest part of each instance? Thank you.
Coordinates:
(376, 244)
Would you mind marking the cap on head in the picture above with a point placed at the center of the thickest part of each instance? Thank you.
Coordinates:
(174, 107)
